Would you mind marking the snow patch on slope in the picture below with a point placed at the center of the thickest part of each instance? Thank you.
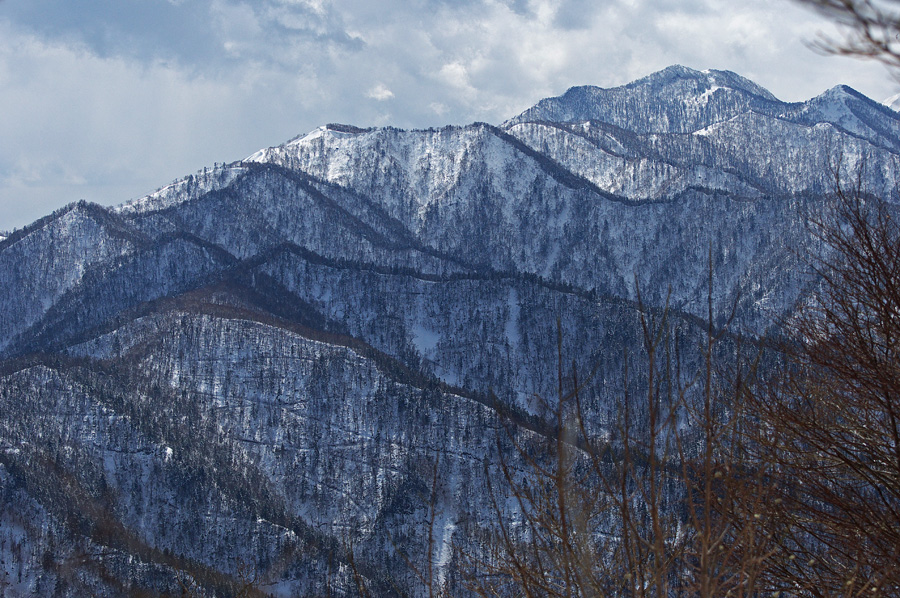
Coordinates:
(706, 95)
(270, 154)
(425, 340)
(893, 102)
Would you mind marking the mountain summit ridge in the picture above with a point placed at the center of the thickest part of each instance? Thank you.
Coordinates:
(686, 100)
(710, 77)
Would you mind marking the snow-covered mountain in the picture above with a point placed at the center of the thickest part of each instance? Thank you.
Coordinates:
(268, 362)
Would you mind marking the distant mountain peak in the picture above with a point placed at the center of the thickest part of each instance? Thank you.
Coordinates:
(670, 76)
(842, 95)
(852, 111)
(676, 99)
(710, 78)
(839, 92)
(893, 102)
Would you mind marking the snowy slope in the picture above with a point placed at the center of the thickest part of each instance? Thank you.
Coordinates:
(893, 102)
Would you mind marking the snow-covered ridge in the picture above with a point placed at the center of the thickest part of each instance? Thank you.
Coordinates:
(674, 100)
(407, 171)
(193, 185)
(679, 100)
(719, 107)
(714, 79)
(266, 154)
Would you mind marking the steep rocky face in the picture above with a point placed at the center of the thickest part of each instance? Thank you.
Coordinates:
(271, 362)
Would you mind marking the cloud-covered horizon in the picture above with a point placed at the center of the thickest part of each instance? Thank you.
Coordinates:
(107, 100)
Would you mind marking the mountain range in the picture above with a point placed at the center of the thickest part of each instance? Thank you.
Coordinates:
(270, 363)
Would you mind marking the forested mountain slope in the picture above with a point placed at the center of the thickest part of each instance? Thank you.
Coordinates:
(268, 363)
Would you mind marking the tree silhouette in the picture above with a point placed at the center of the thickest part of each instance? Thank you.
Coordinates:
(871, 29)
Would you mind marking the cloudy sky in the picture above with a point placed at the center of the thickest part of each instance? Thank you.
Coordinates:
(107, 100)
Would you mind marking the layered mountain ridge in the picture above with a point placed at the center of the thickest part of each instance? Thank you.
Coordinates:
(268, 362)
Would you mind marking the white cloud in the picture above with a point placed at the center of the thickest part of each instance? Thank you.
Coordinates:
(456, 75)
(380, 92)
(438, 108)
(105, 129)
(238, 25)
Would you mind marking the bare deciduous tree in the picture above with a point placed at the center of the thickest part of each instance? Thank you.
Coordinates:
(666, 505)
(871, 28)
(832, 421)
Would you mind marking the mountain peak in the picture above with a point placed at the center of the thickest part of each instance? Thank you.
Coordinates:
(839, 92)
(844, 94)
(667, 75)
(676, 99)
(709, 78)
